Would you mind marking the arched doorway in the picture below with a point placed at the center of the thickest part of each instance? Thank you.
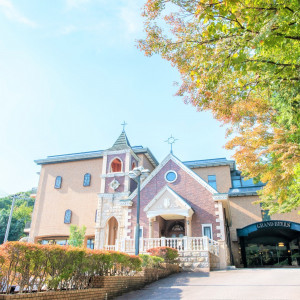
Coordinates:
(112, 231)
(270, 244)
(175, 228)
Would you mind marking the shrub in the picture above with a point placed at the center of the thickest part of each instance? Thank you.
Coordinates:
(149, 261)
(170, 255)
(58, 267)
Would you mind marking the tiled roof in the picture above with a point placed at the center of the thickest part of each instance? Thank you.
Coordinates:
(210, 163)
(121, 143)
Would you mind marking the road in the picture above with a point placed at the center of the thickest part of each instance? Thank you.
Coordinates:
(241, 284)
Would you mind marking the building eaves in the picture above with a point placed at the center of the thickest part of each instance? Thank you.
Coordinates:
(148, 153)
(90, 155)
(215, 162)
(244, 191)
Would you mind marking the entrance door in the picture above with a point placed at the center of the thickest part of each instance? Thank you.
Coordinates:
(266, 255)
(112, 225)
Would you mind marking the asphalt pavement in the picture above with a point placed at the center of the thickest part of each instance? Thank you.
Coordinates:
(241, 284)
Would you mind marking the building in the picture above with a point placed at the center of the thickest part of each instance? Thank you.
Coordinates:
(194, 206)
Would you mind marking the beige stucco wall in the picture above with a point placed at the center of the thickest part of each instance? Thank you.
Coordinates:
(222, 176)
(51, 203)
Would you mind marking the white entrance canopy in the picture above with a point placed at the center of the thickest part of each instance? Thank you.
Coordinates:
(169, 205)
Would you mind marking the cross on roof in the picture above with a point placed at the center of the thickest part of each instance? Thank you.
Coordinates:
(124, 124)
(171, 140)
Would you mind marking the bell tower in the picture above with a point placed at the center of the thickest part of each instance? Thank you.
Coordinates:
(116, 186)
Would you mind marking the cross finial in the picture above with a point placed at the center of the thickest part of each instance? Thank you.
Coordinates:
(171, 140)
(124, 124)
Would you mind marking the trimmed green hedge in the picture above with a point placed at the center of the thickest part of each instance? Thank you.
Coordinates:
(34, 266)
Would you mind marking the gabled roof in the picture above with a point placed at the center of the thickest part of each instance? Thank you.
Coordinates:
(160, 193)
(182, 166)
(121, 143)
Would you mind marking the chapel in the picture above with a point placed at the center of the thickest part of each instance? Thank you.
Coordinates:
(204, 208)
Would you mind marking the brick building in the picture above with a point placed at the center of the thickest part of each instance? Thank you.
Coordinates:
(192, 206)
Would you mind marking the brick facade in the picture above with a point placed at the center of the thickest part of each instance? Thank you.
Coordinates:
(195, 194)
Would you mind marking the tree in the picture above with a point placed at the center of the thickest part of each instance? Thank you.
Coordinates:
(21, 214)
(241, 61)
(77, 235)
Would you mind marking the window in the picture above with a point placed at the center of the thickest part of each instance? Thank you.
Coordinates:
(265, 214)
(236, 183)
(96, 215)
(87, 179)
(133, 166)
(116, 165)
(171, 176)
(212, 181)
(207, 230)
(58, 181)
(90, 243)
(68, 215)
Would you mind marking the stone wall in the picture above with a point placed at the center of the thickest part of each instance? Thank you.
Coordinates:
(195, 261)
(103, 287)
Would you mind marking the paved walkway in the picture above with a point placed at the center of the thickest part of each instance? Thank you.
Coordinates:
(241, 284)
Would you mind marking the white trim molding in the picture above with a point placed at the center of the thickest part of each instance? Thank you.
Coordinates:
(207, 225)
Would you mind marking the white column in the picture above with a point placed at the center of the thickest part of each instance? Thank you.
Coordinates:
(188, 224)
(151, 229)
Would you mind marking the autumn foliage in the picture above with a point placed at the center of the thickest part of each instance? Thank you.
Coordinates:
(240, 61)
(52, 267)
(169, 255)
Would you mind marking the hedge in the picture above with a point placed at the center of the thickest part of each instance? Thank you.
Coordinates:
(170, 255)
(52, 267)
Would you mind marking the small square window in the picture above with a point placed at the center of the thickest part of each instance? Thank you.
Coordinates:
(212, 181)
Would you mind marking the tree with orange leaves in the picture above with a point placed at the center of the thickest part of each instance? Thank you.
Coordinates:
(241, 61)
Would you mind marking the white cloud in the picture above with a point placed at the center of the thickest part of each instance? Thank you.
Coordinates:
(13, 14)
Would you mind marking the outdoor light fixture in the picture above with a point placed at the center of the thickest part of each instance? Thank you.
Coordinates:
(281, 244)
(14, 197)
(136, 175)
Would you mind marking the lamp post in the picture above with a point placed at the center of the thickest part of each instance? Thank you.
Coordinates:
(16, 196)
(136, 175)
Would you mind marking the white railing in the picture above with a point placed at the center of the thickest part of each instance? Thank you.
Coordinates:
(110, 247)
(181, 244)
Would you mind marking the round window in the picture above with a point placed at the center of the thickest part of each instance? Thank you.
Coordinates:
(171, 176)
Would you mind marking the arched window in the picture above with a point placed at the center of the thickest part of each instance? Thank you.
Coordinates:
(116, 165)
(58, 181)
(87, 179)
(133, 165)
(68, 216)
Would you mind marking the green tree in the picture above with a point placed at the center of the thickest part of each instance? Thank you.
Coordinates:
(241, 61)
(21, 214)
(77, 235)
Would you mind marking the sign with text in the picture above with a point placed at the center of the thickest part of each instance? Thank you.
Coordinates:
(270, 224)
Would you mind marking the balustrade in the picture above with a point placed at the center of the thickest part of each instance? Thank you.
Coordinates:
(181, 244)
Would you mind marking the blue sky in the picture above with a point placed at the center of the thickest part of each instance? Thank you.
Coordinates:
(70, 73)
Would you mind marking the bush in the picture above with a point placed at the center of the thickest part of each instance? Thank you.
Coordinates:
(149, 261)
(34, 266)
(170, 255)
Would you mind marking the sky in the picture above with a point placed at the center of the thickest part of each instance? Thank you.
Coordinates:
(70, 74)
